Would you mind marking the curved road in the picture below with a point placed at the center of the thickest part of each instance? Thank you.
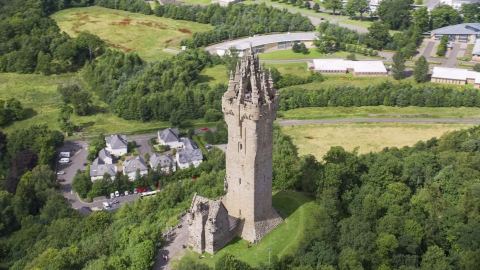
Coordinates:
(377, 120)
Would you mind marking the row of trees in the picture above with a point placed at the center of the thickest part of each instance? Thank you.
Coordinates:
(385, 93)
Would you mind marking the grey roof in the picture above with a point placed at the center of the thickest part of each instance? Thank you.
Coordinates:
(133, 164)
(190, 151)
(162, 160)
(459, 29)
(104, 154)
(244, 43)
(476, 48)
(116, 141)
(99, 168)
(168, 135)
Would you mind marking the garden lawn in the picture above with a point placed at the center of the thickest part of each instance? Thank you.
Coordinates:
(295, 209)
(146, 35)
(318, 139)
(380, 112)
(214, 75)
(297, 69)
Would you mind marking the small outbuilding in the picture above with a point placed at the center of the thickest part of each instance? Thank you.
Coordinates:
(358, 68)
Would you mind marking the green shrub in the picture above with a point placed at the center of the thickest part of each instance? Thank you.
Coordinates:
(89, 199)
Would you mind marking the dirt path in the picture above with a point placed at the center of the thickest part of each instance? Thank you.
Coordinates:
(173, 247)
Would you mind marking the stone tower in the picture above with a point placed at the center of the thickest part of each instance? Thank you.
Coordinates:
(250, 107)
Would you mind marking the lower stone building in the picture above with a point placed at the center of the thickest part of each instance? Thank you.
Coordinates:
(209, 226)
(340, 66)
(455, 76)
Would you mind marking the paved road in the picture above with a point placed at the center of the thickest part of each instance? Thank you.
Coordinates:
(452, 56)
(428, 49)
(173, 246)
(377, 120)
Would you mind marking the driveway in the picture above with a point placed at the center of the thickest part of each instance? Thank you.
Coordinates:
(174, 245)
(428, 49)
(452, 56)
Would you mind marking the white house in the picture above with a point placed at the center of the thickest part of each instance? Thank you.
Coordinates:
(131, 165)
(99, 167)
(116, 144)
(162, 162)
(105, 156)
(169, 137)
(190, 154)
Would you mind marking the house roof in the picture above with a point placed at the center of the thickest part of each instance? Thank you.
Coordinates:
(357, 66)
(449, 73)
(190, 152)
(99, 168)
(168, 135)
(476, 48)
(162, 160)
(117, 141)
(104, 154)
(244, 43)
(133, 164)
(459, 29)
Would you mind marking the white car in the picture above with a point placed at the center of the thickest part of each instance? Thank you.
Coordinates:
(112, 195)
(60, 172)
(117, 194)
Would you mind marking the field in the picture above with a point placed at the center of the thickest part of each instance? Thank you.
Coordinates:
(380, 112)
(289, 54)
(39, 97)
(146, 35)
(295, 209)
(317, 139)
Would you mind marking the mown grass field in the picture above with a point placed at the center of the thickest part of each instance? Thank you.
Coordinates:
(380, 112)
(317, 139)
(146, 35)
(296, 209)
(314, 54)
(39, 97)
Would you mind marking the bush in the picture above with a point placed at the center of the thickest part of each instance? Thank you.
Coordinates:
(89, 199)
(212, 115)
(351, 57)
(476, 67)
(296, 48)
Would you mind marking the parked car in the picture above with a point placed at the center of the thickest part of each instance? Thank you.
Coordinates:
(208, 146)
(85, 164)
(144, 189)
(112, 195)
(117, 194)
(64, 160)
(149, 189)
(107, 197)
(204, 128)
(140, 190)
(60, 180)
(106, 205)
(61, 172)
(126, 193)
(135, 191)
(130, 192)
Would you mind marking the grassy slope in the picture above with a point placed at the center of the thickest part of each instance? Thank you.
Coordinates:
(289, 54)
(146, 35)
(295, 209)
(317, 139)
(380, 112)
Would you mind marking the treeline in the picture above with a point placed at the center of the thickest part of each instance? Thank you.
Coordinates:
(52, 235)
(30, 41)
(166, 90)
(386, 93)
(231, 22)
(10, 110)
(401, 208)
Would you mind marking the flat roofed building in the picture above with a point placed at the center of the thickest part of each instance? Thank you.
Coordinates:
(476, 51)
(266, 43)
(358, 68)
(456, 76)
(464, 32)
(224, 3)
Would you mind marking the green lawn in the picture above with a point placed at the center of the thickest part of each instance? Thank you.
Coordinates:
(295, 209)
(298, 69)
(147, 35)
(380, 112)
(214, 75)
(314, 54)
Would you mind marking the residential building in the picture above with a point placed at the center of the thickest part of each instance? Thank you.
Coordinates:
(464, 32)
(190, 154)
(169, 137)
(117, 144)
(455, 76)
(340, 66)
(266, 43)
(131, 165)
(162, 162)
(99, 167)
(105, 156)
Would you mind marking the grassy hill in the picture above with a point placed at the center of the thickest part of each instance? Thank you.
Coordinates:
(147, 35)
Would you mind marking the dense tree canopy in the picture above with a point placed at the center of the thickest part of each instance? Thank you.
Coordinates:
(395, 13)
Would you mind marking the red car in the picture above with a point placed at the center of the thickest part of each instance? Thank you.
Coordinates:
(144, 189)
(140, 190)
(204, 128)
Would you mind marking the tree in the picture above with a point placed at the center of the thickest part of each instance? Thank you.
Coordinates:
(231, 59)
(352, 57)
(92, 43)
(306, 4)
(316, 7)
(395, 13)
(64, 119)
(324, 42)
(296, 47)
(420, 70)
(191, 133)
(444, 15)
(476, 67)
(398, 66)
(442, 47)
(421, 19)
(333, 5)
(435, 258)
(378, 36)
(228, 261)
(147, 157)
(304, 48)
(354, 6)
(470, 12)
